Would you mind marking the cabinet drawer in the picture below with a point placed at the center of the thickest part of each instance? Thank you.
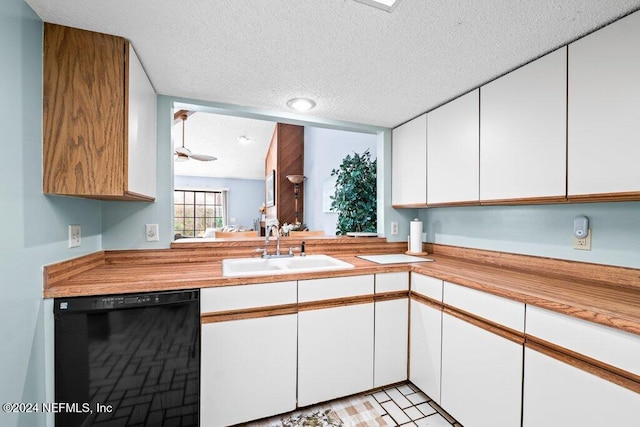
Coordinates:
(427, 286)
(608, 345)
(389, 282)
(335, 287)
(247, 296)
(490, 307)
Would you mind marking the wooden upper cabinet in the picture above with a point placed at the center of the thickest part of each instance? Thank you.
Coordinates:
(453, 151)
(409, 163)
(99, 117)
(523, 133)
(604, 112)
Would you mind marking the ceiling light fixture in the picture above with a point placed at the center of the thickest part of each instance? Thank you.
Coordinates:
(301, 104)
(243, 139)
(388, 5)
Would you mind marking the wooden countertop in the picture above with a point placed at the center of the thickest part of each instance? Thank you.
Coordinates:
(602, 294)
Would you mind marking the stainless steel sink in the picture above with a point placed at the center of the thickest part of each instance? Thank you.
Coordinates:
(241, 267)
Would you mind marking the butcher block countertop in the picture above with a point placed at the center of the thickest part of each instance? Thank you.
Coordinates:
(602, 294)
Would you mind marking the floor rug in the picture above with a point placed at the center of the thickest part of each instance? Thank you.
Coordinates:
(320, 418)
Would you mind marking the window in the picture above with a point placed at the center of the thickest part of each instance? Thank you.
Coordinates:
(195, 211)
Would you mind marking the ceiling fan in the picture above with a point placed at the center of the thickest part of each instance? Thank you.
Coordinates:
(182, 153)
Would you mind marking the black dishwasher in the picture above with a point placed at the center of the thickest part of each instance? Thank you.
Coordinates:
(128, 360)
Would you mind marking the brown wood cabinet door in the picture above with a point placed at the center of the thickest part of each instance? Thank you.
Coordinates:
(84, 112)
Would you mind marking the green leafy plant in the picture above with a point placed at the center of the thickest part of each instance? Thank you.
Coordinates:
(355, 194)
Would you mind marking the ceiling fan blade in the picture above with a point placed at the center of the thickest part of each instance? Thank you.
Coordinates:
(203, 157)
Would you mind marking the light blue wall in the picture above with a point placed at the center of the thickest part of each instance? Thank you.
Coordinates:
(123, 223)
(34, 231)
(541, 230)
(245, 195)
(324, 150)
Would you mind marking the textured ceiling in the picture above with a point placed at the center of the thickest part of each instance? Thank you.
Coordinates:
(359, 63)
(217, 135)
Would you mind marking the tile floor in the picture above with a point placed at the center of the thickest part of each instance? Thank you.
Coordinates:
(399, 405)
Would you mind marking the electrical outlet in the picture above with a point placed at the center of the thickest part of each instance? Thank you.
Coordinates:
(75, 234)
(583, 244)
(394, 228)
(151, 231)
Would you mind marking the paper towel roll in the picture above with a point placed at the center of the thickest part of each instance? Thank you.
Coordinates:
(415, 236)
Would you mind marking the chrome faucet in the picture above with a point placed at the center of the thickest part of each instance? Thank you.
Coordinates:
(268, 228)
(266, 239)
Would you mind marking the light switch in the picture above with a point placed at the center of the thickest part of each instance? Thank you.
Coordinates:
(75, 232)
(151, 231)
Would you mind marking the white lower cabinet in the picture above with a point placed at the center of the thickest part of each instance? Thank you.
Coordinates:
(481, 375)
(560, 395)
(248, 369)
(247, 365)
(391, 336)
(426, 348)
(391, 341)
(335, 352)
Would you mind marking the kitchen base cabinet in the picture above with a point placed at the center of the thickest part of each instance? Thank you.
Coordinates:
(425, 349)
(335, 352)
(391, 340)
(248, 369)
(560, 395)
(481, 375)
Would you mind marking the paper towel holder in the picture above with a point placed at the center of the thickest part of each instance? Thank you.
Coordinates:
(409, 252)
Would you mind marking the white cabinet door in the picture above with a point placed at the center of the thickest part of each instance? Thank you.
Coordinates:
(141, 139)
(425, 349)
(481, 375)
(335, 352)
(523, 131)
(409, 163)
(560, 395)
(608, 345)
(604, 113)
(391, 341)
(453, 151)
(248, 369)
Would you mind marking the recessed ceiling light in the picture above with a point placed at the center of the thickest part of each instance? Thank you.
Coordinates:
(243, 139)
(301, 104)
(388, 5)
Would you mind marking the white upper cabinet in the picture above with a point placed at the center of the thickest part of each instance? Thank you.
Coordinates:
(141, 140)
(604, 110)
(453, 151)
(409, 163)
(523, 132)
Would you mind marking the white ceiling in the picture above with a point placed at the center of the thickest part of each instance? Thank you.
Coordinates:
(360, 64)
(217, 135)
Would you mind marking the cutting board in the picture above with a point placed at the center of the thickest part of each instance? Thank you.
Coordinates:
(393, 258)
